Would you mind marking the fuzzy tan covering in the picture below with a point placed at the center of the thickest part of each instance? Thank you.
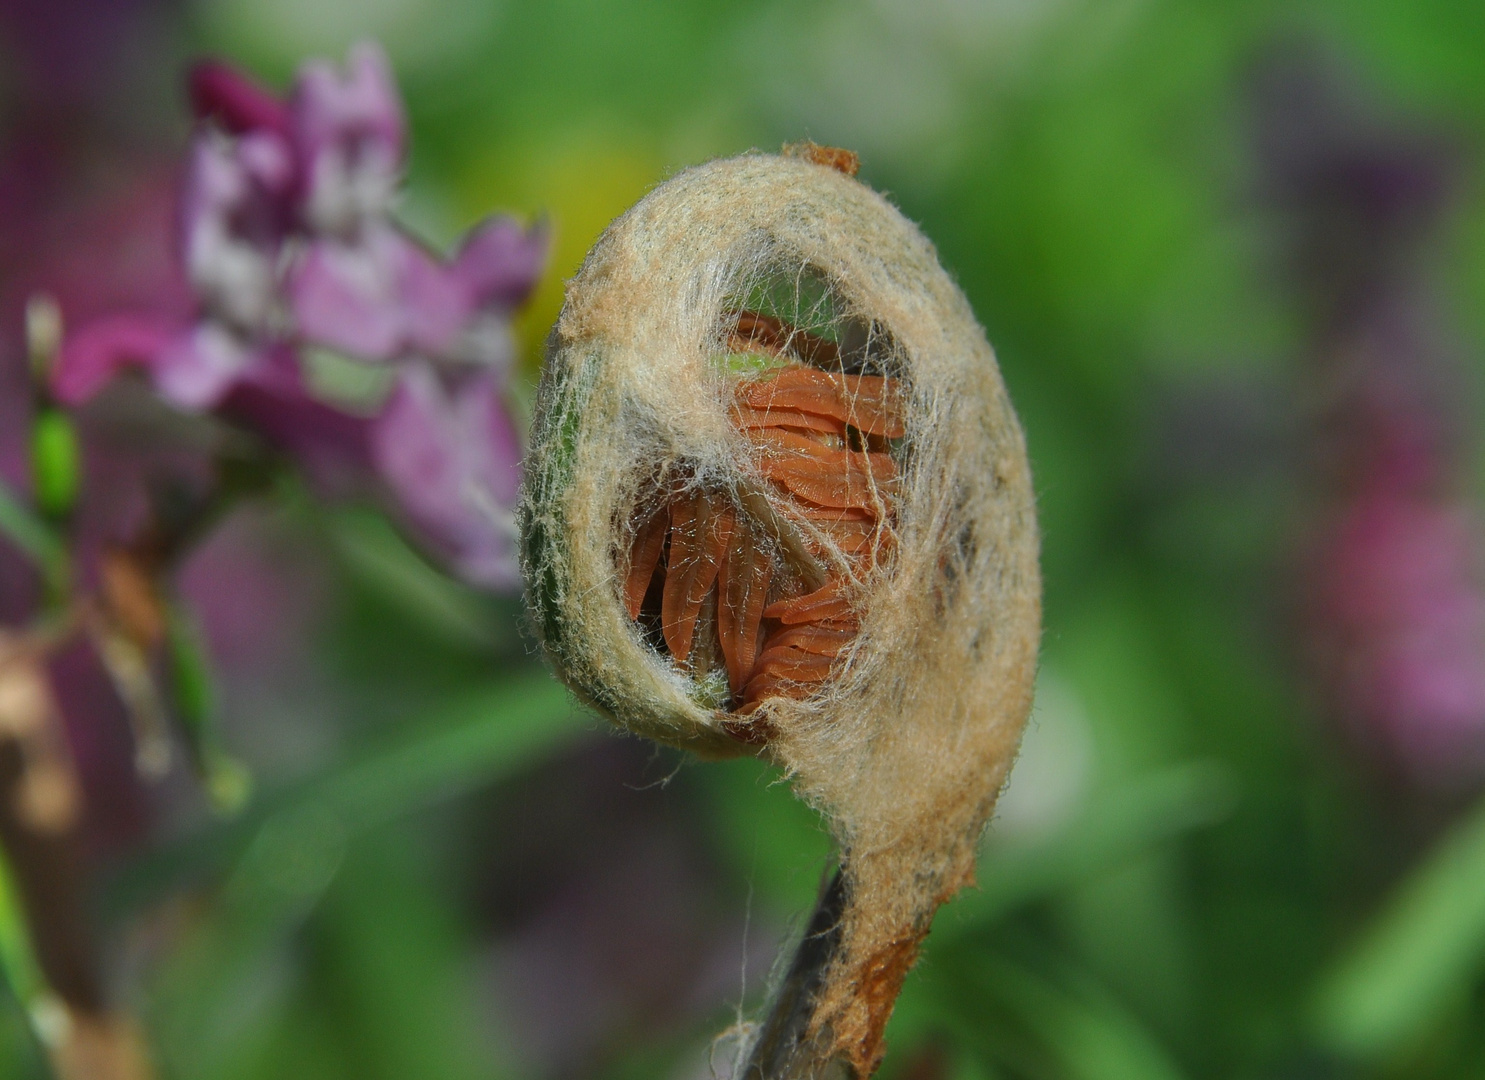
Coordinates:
(906, 750)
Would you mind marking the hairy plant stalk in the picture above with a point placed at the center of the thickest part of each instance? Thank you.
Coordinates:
(789, 1045)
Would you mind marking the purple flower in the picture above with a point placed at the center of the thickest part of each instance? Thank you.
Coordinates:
(232, 235)
(350, 134)
(452, 457)
(287, 242)
(1396, 623)
(1404, 649)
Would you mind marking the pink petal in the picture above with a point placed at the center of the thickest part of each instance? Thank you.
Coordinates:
(501, 261)
(378, 298)
(329, 105)
(94, 354)
(436, 306)
(345, 296)
(452, 462)
(192, 367)
(220, 92)
(351, 136)
(197, 369)
(495, 448)
(1401, 614)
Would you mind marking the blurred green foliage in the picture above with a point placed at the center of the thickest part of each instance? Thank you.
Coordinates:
(1210, 888)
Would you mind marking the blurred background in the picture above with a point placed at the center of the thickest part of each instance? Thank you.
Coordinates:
(1232, 259)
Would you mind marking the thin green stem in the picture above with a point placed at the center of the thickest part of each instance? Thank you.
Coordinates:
(36, 539)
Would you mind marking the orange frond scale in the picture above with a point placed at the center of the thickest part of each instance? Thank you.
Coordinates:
(711, 577)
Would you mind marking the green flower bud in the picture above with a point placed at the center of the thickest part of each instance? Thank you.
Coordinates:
(56, 462)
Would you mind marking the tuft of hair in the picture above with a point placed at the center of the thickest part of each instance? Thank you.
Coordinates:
(833, 157)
